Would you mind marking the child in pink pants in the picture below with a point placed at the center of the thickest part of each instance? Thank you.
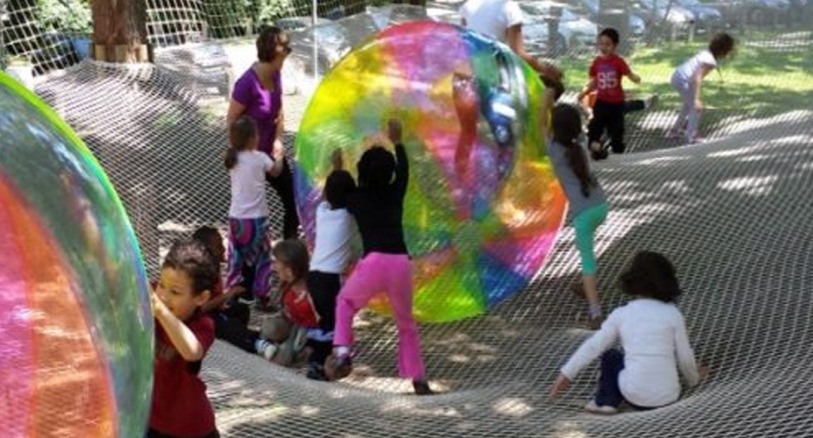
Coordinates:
(378, 205)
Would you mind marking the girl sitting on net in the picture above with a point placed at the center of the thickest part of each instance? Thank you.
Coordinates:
(288, 331)
(378, 207)
(248, 211)
(654, 341)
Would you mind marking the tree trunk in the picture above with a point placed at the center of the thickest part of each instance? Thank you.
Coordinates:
(120, 31)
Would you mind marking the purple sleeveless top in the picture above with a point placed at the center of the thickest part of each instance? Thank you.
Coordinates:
(261, 105)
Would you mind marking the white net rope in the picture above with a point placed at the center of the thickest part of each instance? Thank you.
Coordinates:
(732, 214)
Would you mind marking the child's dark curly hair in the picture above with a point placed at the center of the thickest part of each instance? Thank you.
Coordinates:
(376, 168)
(651, 275)
(195, 260)
(338, 186)
(721, 45)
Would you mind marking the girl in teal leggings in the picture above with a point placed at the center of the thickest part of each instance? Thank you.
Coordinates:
(588, 202)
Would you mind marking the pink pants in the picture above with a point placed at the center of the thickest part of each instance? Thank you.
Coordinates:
(379, 272)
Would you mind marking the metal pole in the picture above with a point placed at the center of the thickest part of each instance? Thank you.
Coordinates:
(315, 46)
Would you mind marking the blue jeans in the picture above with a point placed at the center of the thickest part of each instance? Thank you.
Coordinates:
(609, 393)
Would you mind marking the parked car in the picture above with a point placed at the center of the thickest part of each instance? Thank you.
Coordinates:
(707, 18)
(678, 18)
(758, 12)
(637, 25)
(575, 32)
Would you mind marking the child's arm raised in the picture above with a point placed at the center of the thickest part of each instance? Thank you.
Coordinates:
(401, 164)
(182, 338)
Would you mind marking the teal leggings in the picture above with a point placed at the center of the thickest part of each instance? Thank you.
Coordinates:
(586, 224)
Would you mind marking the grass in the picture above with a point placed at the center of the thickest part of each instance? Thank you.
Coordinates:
(770, 73)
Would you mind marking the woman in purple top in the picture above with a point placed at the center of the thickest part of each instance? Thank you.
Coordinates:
(258, 94)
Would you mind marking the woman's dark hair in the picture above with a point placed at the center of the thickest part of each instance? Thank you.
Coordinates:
(554, 84)
(338, 186)
(610, 33)
(194, 259)
(567, 126)
(241, 133)
(268, 44)
(651, 275)
(721, 45)
(294, 254)
(376, 168)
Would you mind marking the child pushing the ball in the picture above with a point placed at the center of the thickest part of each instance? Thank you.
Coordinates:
(378, 206)
(183, 335)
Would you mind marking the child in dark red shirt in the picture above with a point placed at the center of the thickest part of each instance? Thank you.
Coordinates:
(183, 335)
(606, 73)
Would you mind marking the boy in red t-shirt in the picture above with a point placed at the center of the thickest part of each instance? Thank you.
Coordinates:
(183, 335)
(606, 73)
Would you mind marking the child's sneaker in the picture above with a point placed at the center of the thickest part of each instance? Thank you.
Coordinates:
(422, 387)
(591, 406)
(651, 101)
(600, 154)
(266, 349)
(695, 140)
(342, 367)
(674, 134)
(316, 372)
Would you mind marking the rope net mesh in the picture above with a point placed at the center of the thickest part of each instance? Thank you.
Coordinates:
(732, 214)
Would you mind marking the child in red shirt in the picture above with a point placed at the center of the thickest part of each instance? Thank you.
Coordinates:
(606, 73)
(290, 330)
(183, 335)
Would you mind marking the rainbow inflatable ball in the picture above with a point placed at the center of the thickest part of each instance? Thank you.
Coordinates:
(75, 321)
(483, 206)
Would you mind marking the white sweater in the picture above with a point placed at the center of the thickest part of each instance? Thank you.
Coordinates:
(335, 230)
(653, 336)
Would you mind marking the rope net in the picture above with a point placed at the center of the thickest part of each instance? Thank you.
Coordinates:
(731, 214)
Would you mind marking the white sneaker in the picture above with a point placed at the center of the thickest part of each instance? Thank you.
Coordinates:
(651, 101)
(591, 406)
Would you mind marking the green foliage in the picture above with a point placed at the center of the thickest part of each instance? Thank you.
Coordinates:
(65, 15)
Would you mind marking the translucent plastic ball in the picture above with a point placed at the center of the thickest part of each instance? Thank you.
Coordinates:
(77, 331)
(483, 206)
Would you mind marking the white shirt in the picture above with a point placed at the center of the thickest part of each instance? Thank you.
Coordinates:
(686, 71)
(248, 200)
(491, 17)
(334, 231)
(653, 336)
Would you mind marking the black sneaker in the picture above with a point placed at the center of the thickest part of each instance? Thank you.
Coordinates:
(600, 154)
(342, 367)
(316, 372)
(422, 387)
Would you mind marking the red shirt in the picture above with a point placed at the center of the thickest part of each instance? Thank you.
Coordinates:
(180, 406)
(607, 71)
(299, 307)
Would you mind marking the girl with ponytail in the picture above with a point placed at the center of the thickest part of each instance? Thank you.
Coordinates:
(248, 210)
(588, 202)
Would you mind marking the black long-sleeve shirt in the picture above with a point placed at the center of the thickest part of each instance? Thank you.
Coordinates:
(379, 213)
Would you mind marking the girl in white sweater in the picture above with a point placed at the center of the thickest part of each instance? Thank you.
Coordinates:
(654, 341)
